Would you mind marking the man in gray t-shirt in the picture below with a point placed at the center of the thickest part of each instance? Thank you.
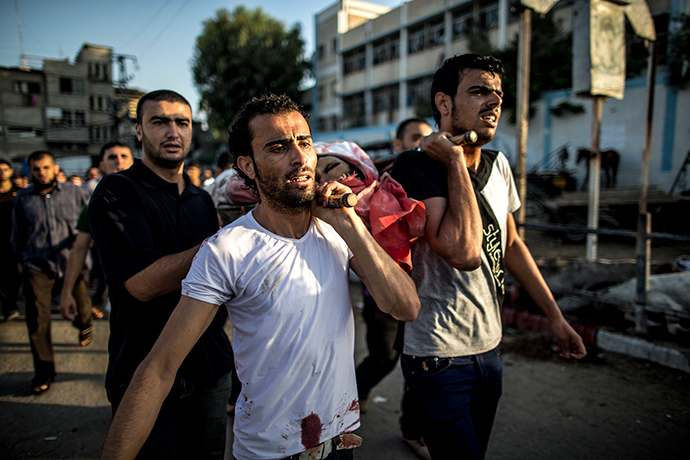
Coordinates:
(450, 357)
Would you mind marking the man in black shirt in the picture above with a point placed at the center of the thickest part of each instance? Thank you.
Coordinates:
(9, 276)
(147, 224)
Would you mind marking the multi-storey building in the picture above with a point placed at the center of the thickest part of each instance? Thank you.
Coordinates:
(68, 107)
(373, 67)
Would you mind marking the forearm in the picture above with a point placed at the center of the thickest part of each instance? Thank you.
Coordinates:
(151, 383)
(137, 412)
(524, 269)
(393, 290)
(163, 276)
(461, 227)
(75, 262)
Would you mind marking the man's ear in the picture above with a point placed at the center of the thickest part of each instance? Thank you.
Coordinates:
(444, 103)
(137, 128)
(397, 145)
(246, 165)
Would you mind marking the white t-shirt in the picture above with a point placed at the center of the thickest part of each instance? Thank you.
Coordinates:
(289, 302)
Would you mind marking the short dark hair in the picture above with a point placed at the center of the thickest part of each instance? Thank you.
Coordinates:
(193, 164)
(5, 162)
(38, 155)
(240, 135)
(158, 96)
(224, 160)
(110, 145)
(400, 133)
(448, 77)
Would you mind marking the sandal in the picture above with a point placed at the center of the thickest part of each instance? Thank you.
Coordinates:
(96, 312)
(85, 337)
(41, 388)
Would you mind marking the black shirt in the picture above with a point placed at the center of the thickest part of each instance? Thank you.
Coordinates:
(136, 218)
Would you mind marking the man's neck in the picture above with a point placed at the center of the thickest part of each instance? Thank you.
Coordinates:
(5, 186)
(283, 224)
(172, 175)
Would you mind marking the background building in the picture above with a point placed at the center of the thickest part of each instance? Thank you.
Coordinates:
(71, 108)
(373, 67)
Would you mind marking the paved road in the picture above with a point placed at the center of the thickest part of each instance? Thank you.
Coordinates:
(608, 407)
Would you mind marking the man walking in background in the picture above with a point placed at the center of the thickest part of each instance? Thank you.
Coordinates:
(44, 218)
(115, 157)
(382, 327)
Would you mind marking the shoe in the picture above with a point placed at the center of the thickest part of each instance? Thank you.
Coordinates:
(85, 336)
(96, 312)
(41, 387)
(12, 316)
(418, 447)
(364, 404)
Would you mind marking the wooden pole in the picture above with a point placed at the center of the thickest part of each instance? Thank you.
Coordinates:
(523, 78)
(644, 225)
(594, 172)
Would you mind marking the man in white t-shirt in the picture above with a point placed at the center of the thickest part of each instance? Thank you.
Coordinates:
(282, 273)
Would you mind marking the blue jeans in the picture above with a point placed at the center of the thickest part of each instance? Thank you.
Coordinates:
(190, 424)
(457, 400)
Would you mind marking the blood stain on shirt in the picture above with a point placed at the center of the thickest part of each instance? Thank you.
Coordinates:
(311, 430)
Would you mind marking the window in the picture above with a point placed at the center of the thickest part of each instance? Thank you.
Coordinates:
(386, 98)
(92, 102)
(353, 110)
(66, 120)
(418, 91)
(415, 40)
(79, 118)
(436, 32)
(335, 45)
(386, 49)
(488, 16)
(426, 36)
(27, 87)
(319, 52)
(462, 22)
(71, 86)
(354, 61)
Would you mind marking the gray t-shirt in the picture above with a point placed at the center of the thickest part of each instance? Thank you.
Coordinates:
(461, 310)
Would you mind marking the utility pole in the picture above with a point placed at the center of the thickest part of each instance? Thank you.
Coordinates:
(121, 101)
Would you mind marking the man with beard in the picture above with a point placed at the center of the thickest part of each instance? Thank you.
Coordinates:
(281, 272)
(450, 358)
(147, 224)
(44, 217)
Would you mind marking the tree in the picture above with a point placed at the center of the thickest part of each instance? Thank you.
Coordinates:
(244, 54)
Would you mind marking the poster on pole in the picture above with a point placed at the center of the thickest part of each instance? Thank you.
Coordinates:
(598, 48)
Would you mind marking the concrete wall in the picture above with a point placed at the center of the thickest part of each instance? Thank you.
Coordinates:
(622, 129)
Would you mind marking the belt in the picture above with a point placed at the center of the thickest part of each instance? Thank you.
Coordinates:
(323, 450)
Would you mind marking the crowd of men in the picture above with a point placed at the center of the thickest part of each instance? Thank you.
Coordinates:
(280, 274)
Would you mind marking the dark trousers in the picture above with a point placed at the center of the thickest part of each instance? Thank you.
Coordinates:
(190, 424)
(381, 331)
(9, 281)
(38, 293)
(457, 399)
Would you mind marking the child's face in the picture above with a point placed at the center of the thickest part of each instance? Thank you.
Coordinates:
(332, 168)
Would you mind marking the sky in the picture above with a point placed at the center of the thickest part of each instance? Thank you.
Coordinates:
(161, 34)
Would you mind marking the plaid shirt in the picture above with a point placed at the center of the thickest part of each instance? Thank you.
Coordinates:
(43, 226)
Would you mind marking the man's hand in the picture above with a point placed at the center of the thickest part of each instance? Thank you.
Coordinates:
(570, 343)
(320, 207)
(439, 147)
(68, 306)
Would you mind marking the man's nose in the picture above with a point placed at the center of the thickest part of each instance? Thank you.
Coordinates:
(299, 156)
(495, 100)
